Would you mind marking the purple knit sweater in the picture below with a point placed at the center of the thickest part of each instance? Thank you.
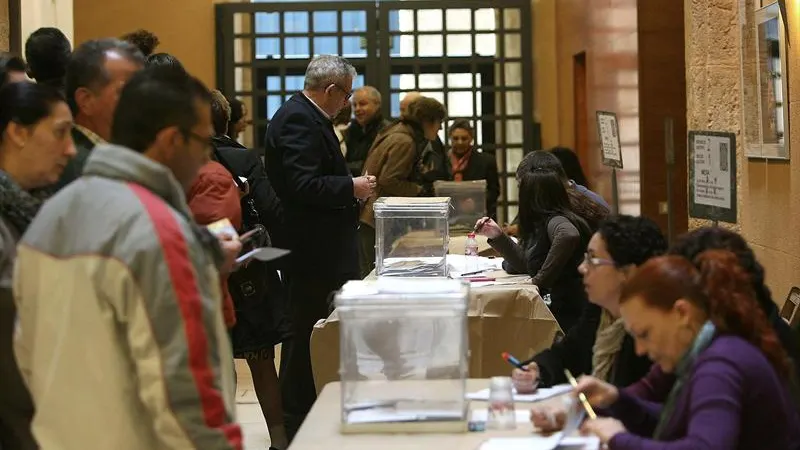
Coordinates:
(733, 399)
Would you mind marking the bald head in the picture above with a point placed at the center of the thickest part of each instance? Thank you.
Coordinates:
(407, 100)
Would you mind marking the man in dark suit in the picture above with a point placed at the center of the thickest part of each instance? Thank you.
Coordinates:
(320, 201)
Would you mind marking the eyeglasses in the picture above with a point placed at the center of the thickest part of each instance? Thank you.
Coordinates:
(347, 94)
(593, 262)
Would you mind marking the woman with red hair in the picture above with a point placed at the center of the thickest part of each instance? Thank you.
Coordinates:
(701, 322)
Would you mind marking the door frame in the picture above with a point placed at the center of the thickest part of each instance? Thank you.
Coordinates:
(15, 27)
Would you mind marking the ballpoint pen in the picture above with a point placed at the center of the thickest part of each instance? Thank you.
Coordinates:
(514, 361)
(581, 395)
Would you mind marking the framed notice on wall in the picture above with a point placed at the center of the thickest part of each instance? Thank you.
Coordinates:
(608, 132)
(712, 175)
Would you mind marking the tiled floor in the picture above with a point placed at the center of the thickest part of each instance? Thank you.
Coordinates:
(248, 412)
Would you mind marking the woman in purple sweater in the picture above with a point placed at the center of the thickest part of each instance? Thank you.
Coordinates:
(704, 325)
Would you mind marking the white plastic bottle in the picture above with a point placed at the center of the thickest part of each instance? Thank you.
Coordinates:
(471, 254)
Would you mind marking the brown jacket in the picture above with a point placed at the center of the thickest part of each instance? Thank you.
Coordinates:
(392, 159)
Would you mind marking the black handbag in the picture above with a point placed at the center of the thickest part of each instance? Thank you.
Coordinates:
(248, 283)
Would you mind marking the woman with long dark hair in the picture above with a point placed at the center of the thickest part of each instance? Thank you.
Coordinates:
(572, 166)
(35, 146)
(701, 322)
(554, 239)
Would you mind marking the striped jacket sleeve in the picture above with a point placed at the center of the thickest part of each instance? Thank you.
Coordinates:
(176, 334)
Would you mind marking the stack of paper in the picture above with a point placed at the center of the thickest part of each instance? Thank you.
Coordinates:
(555, 441)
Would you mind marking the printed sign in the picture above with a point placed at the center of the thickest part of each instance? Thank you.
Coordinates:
(712, 175)
(608, 132)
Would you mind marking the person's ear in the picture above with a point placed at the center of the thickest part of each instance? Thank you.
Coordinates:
(683, 311)
(627, 271)
(168, 141)
(17, 134)
(85, 100)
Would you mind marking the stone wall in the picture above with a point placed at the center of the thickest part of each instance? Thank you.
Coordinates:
(768, 191)
(4, 26)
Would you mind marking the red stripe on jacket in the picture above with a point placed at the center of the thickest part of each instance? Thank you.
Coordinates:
(182, 276)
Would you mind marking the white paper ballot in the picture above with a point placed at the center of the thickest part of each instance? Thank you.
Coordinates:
(554, 442)
(539, 395)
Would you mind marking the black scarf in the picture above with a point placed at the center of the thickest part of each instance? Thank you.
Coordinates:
(16, 205)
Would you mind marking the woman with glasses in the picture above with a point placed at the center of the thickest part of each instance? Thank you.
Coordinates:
(700, 321)
(598, 344)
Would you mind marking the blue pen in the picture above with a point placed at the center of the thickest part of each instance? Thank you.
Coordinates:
(513, 361)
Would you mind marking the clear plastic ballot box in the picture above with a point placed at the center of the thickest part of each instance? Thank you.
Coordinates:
(411, 236)
(404, 355)
(468, 200)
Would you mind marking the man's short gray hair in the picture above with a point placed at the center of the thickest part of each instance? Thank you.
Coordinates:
(325, 70)
(373, 93)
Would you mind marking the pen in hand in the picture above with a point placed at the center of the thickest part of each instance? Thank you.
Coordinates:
(480, 224)
(581, 395)
(514, 361)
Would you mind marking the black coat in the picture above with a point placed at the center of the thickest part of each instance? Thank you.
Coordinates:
(257, 291)
(574, 352)
(246, 163)
(359, 141)
(482, 166)
(310, 177)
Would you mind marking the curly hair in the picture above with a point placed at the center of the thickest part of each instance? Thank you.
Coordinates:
(632, 240)
(718, 285)
(709, 238)
(145, 40)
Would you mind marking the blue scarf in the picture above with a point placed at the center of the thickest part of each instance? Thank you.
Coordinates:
(682, 373)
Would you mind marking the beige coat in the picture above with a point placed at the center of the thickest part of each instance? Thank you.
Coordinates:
(392, 160)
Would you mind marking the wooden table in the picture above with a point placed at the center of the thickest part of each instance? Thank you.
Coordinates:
(320, 431)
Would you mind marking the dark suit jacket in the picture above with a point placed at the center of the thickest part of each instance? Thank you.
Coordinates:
(314, 185)
(482, 166)
(74, 169)
(574, 352)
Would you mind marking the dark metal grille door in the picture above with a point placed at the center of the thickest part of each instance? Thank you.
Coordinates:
(475, 56)
(468, 54)
(263, 50)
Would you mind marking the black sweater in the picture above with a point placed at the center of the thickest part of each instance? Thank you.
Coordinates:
(574, 352)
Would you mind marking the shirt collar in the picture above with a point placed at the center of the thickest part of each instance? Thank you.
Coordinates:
(317, 106)
(91, 135)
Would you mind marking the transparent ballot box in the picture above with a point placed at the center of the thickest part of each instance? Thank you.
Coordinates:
(403, 363)
(411, 236)
(468, 199)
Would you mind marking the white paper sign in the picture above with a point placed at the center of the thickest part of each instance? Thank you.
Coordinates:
(608, 131)
(712, 166)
